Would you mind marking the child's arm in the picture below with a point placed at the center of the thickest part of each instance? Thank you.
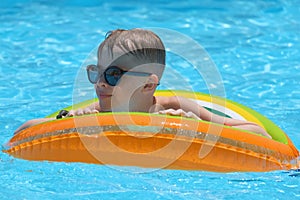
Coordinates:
(190, 106)
(32, 122)
(93, 108)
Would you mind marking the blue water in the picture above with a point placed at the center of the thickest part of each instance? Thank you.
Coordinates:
(254, 45)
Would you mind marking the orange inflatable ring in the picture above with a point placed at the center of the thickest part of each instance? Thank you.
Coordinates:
(160, 141)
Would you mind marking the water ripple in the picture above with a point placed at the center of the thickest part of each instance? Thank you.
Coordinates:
(255, 45)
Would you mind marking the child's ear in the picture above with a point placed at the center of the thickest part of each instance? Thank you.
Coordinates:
(151, 83)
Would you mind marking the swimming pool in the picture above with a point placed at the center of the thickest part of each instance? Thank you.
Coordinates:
(255, 46)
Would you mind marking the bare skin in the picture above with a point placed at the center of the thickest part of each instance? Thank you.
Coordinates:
(176, 106)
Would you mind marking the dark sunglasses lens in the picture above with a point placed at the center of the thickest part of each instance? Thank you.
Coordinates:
(93, 74)
(112, 76)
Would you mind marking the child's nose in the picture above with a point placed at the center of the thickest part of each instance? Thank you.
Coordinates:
(101, 82)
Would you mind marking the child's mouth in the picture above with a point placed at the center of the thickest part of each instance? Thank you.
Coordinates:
(104, 95)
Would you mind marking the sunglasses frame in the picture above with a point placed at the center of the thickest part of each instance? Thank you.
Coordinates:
(105, 74)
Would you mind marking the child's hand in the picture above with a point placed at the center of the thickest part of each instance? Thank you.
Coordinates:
(179, 112)
(82, 112)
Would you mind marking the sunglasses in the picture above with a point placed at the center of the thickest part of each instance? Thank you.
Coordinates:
(112, 74)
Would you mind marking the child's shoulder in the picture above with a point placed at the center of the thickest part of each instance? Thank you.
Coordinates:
(167, 102)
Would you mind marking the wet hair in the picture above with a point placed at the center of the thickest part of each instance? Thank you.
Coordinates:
(144, 45)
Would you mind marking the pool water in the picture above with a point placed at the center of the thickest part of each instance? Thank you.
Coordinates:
(254, 45)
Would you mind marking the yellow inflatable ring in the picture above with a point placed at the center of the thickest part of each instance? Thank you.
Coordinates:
(159, 141)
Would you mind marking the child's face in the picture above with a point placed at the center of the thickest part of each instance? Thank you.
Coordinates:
(128, 90)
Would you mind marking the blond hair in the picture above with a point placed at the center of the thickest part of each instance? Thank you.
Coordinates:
(144, 45)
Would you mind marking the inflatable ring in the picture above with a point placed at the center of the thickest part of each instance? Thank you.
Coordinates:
(159, 141)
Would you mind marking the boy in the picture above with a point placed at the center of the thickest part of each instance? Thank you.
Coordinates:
(130, 65)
